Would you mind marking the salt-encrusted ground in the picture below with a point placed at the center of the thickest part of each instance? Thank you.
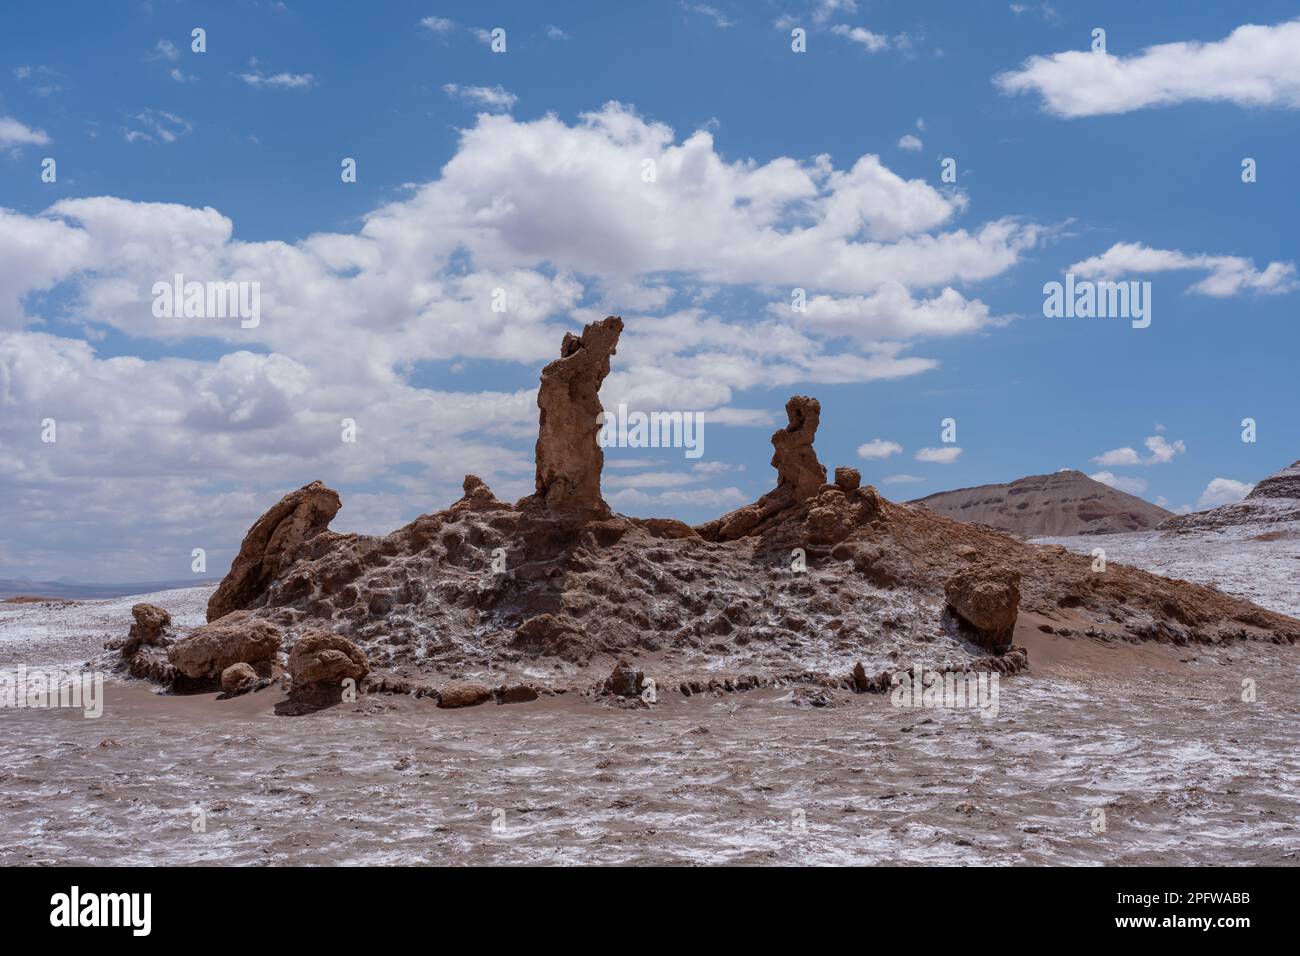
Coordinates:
(1156, 737)
(1183, 769)
(1258, 562)
(62, 633)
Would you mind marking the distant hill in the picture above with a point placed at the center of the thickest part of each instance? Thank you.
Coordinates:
(74, 591)
(1274, 501)
(1062, 503)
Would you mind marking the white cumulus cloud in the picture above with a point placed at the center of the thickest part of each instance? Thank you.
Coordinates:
(14, 134)
(360, 324)
(1252, 66)
(1227, 275)
(1161, 451)
(1224, 491)
(1134, 486)
(944, 455)
(879, 448)
(489, 97)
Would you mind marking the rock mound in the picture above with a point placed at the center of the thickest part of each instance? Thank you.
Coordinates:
(806, 580)
(464, 694)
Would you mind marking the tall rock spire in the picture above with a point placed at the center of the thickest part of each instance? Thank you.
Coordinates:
(569, 458)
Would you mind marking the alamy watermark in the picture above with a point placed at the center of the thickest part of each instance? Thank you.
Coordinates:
(652, 430)
(179, 299)
(37, 688)
(1086, 299)
(75, 908)
(930, 689)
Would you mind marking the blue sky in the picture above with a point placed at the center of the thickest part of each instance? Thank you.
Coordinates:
(176, 436)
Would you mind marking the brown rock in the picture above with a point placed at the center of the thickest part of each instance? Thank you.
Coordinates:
(831, 518)
(272, 545)
(464, 694)
(478, 496)
(236, 638)
(879, 565)
(871, 504)
(150, 663)
(544, 634)
(623, 681)
(323, 657)
(986, 600)
(798, 471)
(584, 587)
(515, 693)
(238, 679)
(861, 682)
(569, 458)
(666, 527)
(148, 630)
(799, 477)
(149, 619)
(848, 478)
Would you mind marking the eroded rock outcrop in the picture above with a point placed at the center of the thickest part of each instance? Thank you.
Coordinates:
(238, 679)
(799, 476)
(478, 496)
(798, 472)
(236, 638)
(320, 665)
(1273, 505)
(811, 572)
(569, 458)
(986, 601)
(624, 681)
(149, 629)
(847, 479)
(272, 545)
(323, 657)
(464, 694)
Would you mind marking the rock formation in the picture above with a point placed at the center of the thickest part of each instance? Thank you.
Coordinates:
(624, 681)
(320, 664)
(236, 638)
(870, 581)
(149, 629)
(478, 496)
(569, 458)
(986, 601)
(323, 657)
(145, 649)
(271, 545)
(464, 694)
(798, 472)
(1275, 501)
(238, 679)
(799, 476)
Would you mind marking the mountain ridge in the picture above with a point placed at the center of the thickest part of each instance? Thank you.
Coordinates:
(1065, 502)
